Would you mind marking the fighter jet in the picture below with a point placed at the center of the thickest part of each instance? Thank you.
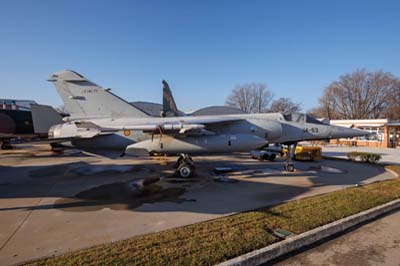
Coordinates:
(100, 119)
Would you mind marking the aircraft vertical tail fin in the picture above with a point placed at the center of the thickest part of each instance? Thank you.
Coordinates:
(83, 98)
(43, 117)
(169, 106)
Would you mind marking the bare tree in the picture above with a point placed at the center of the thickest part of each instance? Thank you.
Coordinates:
(320, 112)
(393, 110)
(359, 95)
(326, 108)
(250, 98)
(284, 105)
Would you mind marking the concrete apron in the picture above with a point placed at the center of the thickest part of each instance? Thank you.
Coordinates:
(291, 244)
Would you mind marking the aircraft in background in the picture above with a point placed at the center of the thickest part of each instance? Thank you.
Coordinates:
(169, 105)
(99, 119)
(16, 121)
(170, 109)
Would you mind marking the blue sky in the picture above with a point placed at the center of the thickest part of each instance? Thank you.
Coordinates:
(202, 48)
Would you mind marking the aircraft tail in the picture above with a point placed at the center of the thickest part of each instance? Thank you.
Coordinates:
(43, 117)
(169, 106)
(83, 98)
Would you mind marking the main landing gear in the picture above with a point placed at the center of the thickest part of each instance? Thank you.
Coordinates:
(289, 166)
(184, 166)
(5, 145)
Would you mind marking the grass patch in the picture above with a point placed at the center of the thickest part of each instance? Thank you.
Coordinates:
(215, 241)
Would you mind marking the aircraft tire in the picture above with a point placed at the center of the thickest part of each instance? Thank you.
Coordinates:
(289, 167)
(185, 170)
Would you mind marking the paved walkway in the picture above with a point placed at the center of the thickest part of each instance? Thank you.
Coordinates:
(376, 243)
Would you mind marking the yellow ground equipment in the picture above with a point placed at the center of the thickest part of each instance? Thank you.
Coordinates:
(307, 153)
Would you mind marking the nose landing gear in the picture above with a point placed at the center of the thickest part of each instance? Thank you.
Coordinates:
(184, 166)
(289, 166)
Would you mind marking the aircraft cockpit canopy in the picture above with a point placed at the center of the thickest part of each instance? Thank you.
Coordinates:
(301, 118)
(294, 117)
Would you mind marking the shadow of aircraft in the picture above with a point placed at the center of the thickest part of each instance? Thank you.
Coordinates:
(81, 187)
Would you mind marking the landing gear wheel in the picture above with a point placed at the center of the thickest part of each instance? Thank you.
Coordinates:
(289, 167)
(184, 166)
(5, 145)
(185, 170)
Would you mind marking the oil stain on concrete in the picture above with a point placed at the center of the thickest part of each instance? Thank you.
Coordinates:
(120, 196)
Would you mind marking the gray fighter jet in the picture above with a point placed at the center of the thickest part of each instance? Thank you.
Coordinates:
(100, 119)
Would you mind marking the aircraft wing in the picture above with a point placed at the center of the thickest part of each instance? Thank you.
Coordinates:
(206, 120)
(185, 125)
(181, 126)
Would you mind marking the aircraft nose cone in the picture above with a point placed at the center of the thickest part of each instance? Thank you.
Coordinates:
(343, 132)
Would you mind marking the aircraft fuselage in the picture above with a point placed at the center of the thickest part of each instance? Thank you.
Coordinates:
(249, 131)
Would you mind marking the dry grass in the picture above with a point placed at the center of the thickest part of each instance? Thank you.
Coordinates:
(210, 242)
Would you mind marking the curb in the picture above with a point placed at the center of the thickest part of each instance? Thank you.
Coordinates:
(392, 172)
(291, 244)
